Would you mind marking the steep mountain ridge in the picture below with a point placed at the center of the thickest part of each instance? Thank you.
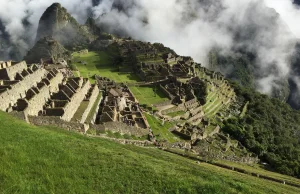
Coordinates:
(57, 23)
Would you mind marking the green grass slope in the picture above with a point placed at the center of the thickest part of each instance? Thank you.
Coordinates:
(49, 160)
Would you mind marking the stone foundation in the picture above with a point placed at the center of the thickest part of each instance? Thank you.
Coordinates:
(57, 122)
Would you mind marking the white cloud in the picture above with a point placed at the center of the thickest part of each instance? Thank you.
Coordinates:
(184, 25)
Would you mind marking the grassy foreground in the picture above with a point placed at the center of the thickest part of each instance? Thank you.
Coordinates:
(49, 160)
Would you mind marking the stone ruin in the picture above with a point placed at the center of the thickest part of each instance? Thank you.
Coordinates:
(105, 83)
(120, 106)
(137, 48)
(33, 91)
(172, 65)
(184, 93)
(47, 96)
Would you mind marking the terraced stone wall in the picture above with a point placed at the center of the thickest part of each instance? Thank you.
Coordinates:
(18, 90)
(92, 101)
(71, 108)
(9, 73)
(57, 122)
(122, 128)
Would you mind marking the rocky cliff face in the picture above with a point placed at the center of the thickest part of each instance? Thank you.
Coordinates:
(57, 23)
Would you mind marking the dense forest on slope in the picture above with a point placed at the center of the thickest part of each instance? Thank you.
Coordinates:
(270, 129)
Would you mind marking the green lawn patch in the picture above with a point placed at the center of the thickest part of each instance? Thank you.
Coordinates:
(160, 129)
(101, 63)
(148, 95)
(175, 114)
(50, 160)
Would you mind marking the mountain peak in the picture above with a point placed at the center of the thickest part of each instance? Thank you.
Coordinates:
(57, 23)
(53, 19)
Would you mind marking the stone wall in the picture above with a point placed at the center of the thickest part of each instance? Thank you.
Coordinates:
(92, 101)
(55, 81)
(122, 128)
(196, 110)
(168, 94)
(178, 108)
(9, 73)
(18, 90)
(191, 104)
(5, 64)
(145, 143)
(99, 128)
(57, 122)
(198, 116)
(165, 103)
(71, 108)
(97, 111)
(36, 103)
(19, 115)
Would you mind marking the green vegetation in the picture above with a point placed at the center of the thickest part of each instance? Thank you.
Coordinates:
(102, 64)
(93, 109)
(160, 130)
(241, 64)
(213, 102)
(244, 111)
(259, 169)
(270, 128)
(77, 116)
(49, 160)
(148, 95)
(266, 126)
(241, 67)
(175, 114)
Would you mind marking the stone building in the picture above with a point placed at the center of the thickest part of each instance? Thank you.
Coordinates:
(16, 80)
(120, 105)
(46, 96)
(67, 100)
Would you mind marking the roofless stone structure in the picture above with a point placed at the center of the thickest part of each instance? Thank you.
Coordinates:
(49, 96)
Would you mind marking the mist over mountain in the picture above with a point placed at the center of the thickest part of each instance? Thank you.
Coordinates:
(251, 41)
(56, 22)
(247, 31)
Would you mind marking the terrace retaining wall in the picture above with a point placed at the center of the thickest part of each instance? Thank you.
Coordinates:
(75, 102)
(9, 73)
(92, 101)
(122, 128)
(57, 122)
(18, 90)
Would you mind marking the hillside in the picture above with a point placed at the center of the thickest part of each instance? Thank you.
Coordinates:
(46, 49)
(266, 127)
(49, 160)
(131, 90)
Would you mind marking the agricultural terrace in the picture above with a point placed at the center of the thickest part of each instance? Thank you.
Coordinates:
(102, 64)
